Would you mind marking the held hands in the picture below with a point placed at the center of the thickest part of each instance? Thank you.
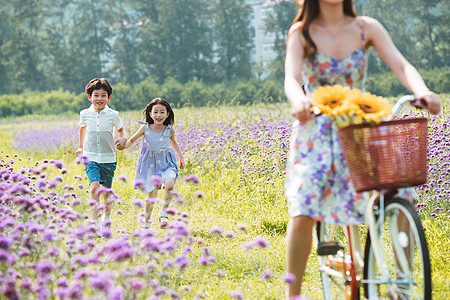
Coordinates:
(182, 164)
(120, 143)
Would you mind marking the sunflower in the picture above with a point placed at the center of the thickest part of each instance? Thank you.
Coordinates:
(370, 107)
(331, 100)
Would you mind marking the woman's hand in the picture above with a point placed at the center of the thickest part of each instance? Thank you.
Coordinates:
(433, 102)
(301, 110)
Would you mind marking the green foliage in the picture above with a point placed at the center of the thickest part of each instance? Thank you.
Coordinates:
(418, 28)
(233, 44)
(172, 91)
(123, 98)
(196, 92)
(387, 85)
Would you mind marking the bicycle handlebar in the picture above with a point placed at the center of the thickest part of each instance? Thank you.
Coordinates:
(418, 103)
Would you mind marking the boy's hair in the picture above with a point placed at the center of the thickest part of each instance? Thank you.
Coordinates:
(148, 109)
(98, 83)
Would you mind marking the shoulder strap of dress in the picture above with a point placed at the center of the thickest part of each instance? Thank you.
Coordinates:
(141, 122)
(361, 26)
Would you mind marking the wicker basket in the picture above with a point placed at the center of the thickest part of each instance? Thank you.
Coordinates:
(391, 154)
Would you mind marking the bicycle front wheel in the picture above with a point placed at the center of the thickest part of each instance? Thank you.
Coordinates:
(406, 271)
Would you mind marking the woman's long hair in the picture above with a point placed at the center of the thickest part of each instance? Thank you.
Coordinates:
(148, 109)
(307, 12)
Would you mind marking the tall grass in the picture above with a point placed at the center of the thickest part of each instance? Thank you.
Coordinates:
(238, 154)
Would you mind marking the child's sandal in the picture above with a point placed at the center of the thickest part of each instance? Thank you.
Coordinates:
(163, 220)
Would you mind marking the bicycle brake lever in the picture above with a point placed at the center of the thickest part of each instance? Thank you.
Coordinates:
(419, 103)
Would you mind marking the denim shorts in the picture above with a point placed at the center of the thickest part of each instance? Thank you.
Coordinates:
(102, 172)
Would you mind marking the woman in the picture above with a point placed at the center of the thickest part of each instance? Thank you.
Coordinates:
(327, 45)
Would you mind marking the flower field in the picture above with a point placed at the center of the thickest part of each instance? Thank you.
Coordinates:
(228, 219)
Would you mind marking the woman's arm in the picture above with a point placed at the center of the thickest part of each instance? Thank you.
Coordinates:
(176, 148)
(293, 67)
(379, 38)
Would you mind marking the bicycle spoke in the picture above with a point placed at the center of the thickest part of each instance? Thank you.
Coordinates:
(406, 256)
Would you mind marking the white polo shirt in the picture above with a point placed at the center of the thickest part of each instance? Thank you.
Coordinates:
(99, 142)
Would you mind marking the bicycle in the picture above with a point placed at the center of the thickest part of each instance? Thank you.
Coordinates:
(397, 265)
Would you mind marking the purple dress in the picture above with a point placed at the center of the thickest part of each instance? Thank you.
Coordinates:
(157, 157)
(318, 183)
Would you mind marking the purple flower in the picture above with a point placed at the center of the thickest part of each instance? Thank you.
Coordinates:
(123, 177)
(92, 202)
(157, 181)
(230, 234)
(116, 293)
(192, 178)
(139, 184)
(266, 274)
(53, 251)
(242, 227)
(44, 266)
(7, 257)
(215, 229)
(203, 260)
(298, 297)
(186, 288)
(5, 242)
(62, 282)
(82, 159)
(101, 280)
(257, 242)
(199, 194)
(182, 262)
(57, 163)
(26, 284)
(137, 202)
(137, 284)
(289, 278)
(236, 294)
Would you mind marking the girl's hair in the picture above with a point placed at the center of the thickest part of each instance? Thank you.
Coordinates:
(308, 11)
(98, 83)
(148, 109)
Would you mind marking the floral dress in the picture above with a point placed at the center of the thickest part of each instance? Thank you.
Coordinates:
(157, 158)
(318, 183)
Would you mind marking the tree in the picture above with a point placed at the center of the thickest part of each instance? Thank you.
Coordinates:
(190, 42)
(419, 28)
(232, 39)
(57, 57)
(125, 49)
(88, 41)
(176, 39)
(278, 22)
(23, 44)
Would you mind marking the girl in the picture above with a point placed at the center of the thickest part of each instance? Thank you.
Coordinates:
(157, 160)
(327, 44)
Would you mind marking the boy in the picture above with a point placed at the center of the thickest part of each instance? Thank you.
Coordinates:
(97, 125)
